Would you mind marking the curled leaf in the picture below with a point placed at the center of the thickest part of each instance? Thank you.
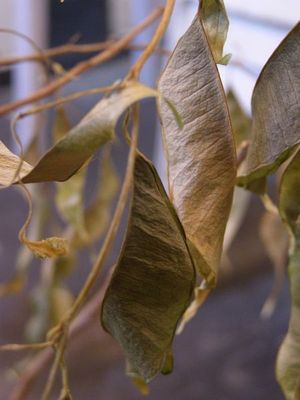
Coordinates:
(137, 380)
(215, 22)
(80, 143)
(50, 247)
(201, 157)
(154, 278)
(9, 166)
(276, 110)
(94, 130)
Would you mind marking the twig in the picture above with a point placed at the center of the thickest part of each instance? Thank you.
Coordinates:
(45, 357)
(41, 360)
(74, 49)
(71, 97)
(27, 346)
(66, 391)
(136, 69)
(40, 52)
(83, 66)
(55, 366)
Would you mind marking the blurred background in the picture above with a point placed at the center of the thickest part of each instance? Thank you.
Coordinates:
(228, 351)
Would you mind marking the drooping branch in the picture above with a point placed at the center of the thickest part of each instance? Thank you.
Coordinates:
(83, 66)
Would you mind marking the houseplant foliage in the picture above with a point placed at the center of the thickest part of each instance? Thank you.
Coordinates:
(169, 260)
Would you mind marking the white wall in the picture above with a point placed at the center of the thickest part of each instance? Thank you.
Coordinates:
(6, 21)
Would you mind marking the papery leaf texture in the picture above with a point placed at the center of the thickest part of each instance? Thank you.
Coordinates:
(201, 157)
(276, 110)
(154, 279)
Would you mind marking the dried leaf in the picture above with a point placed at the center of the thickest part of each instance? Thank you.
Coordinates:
(201, 156)
(276, 110)
(137, 380)
(94, 130)
(215, 23)
(288, 361)
(50, 247)
(9, 165)
(79, 144)
(154, 279)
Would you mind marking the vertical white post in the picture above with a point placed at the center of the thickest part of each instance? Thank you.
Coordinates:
(31, 17)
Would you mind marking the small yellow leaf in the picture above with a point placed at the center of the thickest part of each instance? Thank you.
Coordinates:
(50, 247)
(61, 301)
(15, 285)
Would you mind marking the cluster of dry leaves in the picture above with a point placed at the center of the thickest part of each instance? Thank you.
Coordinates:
(175, 239)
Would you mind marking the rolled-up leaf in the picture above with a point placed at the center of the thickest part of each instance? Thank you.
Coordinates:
(79, 144)
(276, 111)
(201, 156)
(154, 278)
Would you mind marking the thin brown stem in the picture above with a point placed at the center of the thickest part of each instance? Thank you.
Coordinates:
(42, 359)
(55, 366)
(83, 66)
(40, 52)
(66, 391)
(28, 346)
(74, 49)
(66, 99)
(136, 69)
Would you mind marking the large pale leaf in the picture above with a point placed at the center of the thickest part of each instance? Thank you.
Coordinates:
(288, 361)
(276, 110)
(201, 156)
(81, 142)
(216, 24)
(154, 279)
